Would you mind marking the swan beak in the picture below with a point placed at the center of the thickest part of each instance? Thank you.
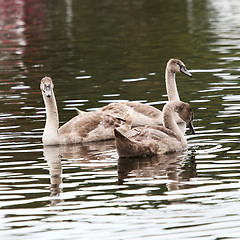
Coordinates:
(48, 91)
(190, 125)
(185, 71)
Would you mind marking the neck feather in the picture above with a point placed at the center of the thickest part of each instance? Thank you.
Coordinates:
(170, 122)
(171, 86)
(50, 134)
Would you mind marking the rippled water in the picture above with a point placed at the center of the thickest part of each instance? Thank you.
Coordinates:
(104, 51)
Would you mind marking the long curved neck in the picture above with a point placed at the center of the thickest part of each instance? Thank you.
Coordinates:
(50, 134)
(171, 86)
(170, 122)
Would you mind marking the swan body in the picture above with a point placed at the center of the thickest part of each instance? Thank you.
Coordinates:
(94, 126)
(153, 140)
(145, 114)
(142, 114)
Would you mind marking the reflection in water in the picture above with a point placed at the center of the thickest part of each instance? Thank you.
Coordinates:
(90, 47)
(52, 156)
(78, 154)
(176, 167)
(172, 166)
(87, 151)
(12, 37)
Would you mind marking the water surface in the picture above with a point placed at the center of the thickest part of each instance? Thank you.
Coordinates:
(99, 52)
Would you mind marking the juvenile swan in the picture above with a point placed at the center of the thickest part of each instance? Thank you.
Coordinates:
(153, 140)
(94, 126)
(144, 114)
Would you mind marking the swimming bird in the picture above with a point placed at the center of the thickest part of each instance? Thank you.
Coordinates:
(154, 140)
(95, 126)
(145, 114)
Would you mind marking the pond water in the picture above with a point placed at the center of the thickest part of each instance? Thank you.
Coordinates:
(99, 52)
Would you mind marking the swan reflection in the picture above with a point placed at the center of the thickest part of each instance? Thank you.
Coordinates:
(79, 153)
(176, 167)
(52, 156)
(87, 151)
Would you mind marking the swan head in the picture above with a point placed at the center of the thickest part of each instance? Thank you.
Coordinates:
(176, 65)
(47, 86)
(185, 112)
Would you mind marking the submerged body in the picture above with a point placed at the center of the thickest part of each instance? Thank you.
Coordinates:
(93, 126)
(153, 140)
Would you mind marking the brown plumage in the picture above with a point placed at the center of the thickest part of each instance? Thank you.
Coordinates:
(153, 140)
(94, 126)
(145, 114)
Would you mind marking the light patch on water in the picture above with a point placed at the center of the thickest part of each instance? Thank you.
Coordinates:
(83, 77)
(134, 79)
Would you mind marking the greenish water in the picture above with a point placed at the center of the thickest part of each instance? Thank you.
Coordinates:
(104, 51)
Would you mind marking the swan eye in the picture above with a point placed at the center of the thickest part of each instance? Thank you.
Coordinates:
(179, 65)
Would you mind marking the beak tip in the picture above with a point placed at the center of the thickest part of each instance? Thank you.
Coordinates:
(191, 128)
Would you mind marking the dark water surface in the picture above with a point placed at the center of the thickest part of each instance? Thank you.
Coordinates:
(104, 51)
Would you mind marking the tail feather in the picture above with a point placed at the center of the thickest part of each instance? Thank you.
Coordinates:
(125, 147)
(121, 137)
(79, 112)
(129, 148)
